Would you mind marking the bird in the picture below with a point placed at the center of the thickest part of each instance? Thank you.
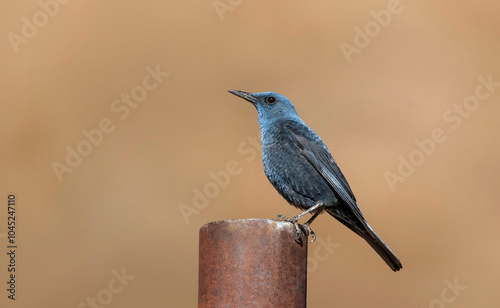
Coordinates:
(301, 168)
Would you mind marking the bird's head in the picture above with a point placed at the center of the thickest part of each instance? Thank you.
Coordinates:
(270, 106)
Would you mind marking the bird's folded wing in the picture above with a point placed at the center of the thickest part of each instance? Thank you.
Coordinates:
(324, 163)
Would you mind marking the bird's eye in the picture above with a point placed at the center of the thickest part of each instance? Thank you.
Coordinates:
(271, 99)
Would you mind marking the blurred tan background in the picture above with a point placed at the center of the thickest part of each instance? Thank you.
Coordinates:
(126, 208)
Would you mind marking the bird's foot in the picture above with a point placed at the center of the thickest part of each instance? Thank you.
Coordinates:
(281, 217)
(293, 220)
(309, 231)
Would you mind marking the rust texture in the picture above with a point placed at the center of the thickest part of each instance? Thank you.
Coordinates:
(252, 263)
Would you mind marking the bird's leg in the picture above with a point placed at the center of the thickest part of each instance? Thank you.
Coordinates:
(296, 218)
(316, 207)
(308, 228)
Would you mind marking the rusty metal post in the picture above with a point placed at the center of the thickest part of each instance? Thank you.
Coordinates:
(252, 263)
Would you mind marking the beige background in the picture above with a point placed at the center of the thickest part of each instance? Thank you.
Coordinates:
(119, 208)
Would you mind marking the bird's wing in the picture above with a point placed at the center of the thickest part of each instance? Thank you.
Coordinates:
(317, 154)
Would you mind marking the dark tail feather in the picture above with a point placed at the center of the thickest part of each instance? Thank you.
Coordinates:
(383, 251)
(377, 244)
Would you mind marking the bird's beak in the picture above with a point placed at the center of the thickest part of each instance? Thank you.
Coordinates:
(245, 95)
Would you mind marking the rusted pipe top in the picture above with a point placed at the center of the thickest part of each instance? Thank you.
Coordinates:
(252, 263)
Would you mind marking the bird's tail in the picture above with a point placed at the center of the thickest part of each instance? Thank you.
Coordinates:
(383, 250)
(375, 242)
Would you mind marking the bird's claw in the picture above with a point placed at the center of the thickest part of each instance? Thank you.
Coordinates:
(309, 231)
(294, 222)
(297, 228)
(306, 226)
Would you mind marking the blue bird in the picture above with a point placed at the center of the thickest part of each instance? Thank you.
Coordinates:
(300, 167)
